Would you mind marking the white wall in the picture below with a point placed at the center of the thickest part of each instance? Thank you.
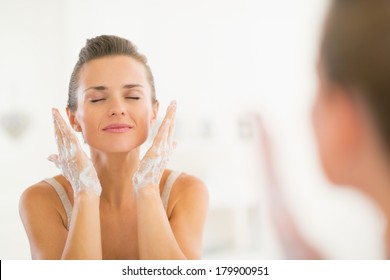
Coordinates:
(221, 60)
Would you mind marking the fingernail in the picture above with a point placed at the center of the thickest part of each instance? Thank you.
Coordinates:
(173, 103)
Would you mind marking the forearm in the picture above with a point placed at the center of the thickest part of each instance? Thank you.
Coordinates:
(84, 237)
(155, 237)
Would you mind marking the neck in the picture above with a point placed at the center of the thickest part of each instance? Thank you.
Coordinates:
(115, 172)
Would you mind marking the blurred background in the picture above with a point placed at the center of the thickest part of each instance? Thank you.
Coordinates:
(226, 62)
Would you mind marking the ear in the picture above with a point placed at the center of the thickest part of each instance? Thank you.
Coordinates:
(73, 120)
(155, 108)
(349, 123)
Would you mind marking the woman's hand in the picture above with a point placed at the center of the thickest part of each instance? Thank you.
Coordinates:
(74, 163)
(153, 164)
(292, 240)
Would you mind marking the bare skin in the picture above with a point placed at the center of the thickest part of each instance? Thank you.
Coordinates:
(119, 236)
(352, 154)
(121, 223)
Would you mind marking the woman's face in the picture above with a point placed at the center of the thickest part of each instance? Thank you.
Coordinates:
(335, 127)
(114, 104)
(321, 125)
(346, 132)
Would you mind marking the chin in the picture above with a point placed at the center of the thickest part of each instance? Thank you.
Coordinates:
(117, 150)
(116, 147)
(116, 143)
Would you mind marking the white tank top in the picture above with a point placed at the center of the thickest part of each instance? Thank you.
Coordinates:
(68, 207)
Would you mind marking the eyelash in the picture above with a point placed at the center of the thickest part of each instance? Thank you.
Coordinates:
(101, 99)
(97, 100)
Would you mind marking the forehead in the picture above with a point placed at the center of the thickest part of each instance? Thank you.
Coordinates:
(112, 71)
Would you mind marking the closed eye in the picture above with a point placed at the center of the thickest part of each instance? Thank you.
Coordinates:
(97, 100)
(133, 97)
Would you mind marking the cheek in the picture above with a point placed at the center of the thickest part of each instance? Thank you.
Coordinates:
(142, 119)
(326, 134)
(87, 124)
(89, 119)
(320, 125)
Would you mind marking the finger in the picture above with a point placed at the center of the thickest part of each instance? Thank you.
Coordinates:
(59, 138)
(64, 126)
(55, 160)
(69, 137)
(171, 110)
(161, 137)
(64, 147)
(172, 125)
(170, 115)
(164, 140)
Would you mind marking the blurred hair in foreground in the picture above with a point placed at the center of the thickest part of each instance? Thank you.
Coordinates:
(350, 115)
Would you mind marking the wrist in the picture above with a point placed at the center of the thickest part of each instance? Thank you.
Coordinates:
(87, 196)
(148, 190)
(89, 180)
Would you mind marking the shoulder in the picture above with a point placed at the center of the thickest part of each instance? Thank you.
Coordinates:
(187, 183)
(36, 194)
(39, 200)
(45, 192)
(43, 218)
(189, 192)
(34, 204)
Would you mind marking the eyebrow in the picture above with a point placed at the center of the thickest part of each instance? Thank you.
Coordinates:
(103, 88)
(132, 86)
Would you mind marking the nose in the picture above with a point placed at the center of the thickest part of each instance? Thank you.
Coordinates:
(116, 108)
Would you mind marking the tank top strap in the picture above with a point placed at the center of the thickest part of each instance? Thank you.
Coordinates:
(68, 207)
(168, 187)
(63, 197)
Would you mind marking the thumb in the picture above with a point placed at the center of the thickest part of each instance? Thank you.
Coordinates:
(54, 159)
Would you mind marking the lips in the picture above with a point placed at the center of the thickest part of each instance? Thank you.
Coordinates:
(117, 128)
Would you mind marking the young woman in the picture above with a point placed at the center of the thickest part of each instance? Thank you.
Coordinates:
(351, 113)
(114, 205)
